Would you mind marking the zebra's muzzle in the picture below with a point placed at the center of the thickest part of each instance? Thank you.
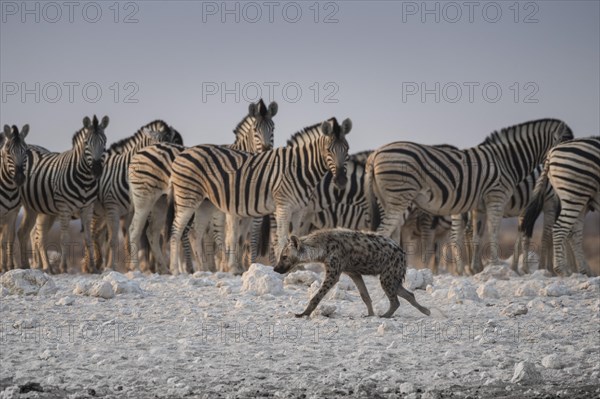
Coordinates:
(19, 177)
(97, 167)
(340, 180)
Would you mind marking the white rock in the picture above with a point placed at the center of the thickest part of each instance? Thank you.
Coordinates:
(525, 372)
(499, 272)
(462, 290)
(121, 284)
(407, 387)
(413, 279)
(553, 361)
(427, 277)
(301, 277)
(225, 290)
(3, 291)
(200, 282)
(314, 267)
(541, 274)
(345, 283)
(81, 288)
(261, 280)
(530, 288)
(514, 309)
(488, 290)
(556, 289)
(101, 289)
(326, 309)
(65, 301)
(28, 282)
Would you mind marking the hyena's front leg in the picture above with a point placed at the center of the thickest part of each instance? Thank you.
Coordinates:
(330, 280)
(362, 289)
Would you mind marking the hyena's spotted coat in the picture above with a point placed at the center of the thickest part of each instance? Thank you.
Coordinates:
(354, 253)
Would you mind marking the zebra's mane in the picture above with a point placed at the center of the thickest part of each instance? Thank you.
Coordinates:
(509, 134)
(243, 127)
(79, 137)
(307, 135)
(122, 145)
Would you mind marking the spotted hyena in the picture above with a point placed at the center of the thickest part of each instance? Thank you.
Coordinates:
(354, 253)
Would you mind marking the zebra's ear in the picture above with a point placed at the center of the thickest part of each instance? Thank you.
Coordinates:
(326, 128)
(346, 126)
(2, 138)
(295, 242)
(7, 130)
(105, 121)
(252, 109)
(273, 108)
(87, 123)
(24, 131)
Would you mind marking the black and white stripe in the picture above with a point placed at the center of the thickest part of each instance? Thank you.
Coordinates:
(13, 158)
(150, 174)
(61, 185)
(450, 182)
(573, 171)
(279, 181)
(113, 202)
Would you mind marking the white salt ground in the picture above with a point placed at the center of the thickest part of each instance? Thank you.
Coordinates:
(219, 335)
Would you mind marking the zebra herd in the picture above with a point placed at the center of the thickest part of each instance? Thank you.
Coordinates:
(220, 207)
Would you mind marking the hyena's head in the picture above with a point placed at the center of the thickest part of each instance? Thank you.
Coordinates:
(337, 149)
(95, 143)
(262, 131)
(293, 253)
(14, 151)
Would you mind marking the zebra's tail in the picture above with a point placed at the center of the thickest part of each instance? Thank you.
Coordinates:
(264, 236)
(534, 208)
(170, 214)
(374, 211)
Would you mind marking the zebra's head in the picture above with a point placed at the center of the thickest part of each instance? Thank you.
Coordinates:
(562, 133)
(95, 143)
(176, 136)
(14, 151)
(336, 149)
(262, 131)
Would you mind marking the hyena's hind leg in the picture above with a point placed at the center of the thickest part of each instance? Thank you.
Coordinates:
(362, 289)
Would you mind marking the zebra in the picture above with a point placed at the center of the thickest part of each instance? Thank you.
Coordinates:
(573, 171)
(450, 182)
(279, 181)
(13, 158)
(113, 191)
(516, 205)
(60, 185)
(150, 174)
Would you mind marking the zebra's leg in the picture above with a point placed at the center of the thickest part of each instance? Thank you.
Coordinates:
(494, 213)
(546, 252)
(7, 238)
(563, 227)
(520, 248)
(156, 222)
(458, 244)
(112, 224)
(478, 231)
(232, 241)
(86, 221)
(282, 216)
(180, 222)
(24, 235)
(577, 258)
(143, 208)
(42, 227)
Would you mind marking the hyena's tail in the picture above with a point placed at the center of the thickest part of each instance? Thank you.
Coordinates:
(533, 210)
(410, 297)
(374, 211)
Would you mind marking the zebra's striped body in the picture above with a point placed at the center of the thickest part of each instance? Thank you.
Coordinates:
(150, 174)
(450, 182)
(279, 181)
(61, 185)
(113, 201)
(573, 171)
(13, 158)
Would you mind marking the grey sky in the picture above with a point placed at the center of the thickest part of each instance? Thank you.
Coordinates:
(371, 61)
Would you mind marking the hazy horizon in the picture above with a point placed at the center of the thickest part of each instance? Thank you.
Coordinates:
(389, 66)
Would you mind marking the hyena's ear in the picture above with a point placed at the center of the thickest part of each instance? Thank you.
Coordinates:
(295, 242)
